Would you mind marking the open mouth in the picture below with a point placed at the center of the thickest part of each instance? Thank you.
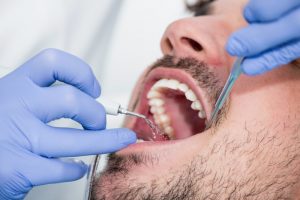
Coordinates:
(175, 102)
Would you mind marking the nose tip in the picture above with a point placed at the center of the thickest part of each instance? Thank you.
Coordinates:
(178, 41)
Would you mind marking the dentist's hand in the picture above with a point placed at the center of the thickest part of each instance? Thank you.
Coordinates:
(272, 38)
(29, 148)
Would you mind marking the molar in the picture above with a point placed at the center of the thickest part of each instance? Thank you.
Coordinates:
(153, 94)
(156, 102)
(160, 110)
(202, 114)
(169, 131)
(164, 119)
(157, 109)
(196, 105)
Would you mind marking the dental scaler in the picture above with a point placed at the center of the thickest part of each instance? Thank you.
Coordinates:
(235, 73)
(113, 108)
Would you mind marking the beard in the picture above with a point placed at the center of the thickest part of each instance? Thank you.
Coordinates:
(261, 164)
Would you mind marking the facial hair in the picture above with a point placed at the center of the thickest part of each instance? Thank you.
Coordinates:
(261, 165)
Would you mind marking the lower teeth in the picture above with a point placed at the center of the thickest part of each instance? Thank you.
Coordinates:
(154, 128)
(140, 141)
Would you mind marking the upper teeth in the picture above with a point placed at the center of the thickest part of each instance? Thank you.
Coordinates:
(153, 94)
(183, 87)
(196, 105)
(190, 95)
(156, 103)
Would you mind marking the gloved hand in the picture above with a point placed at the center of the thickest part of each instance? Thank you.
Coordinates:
(272, 37)
(29, 148)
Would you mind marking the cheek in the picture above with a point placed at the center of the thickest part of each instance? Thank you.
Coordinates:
(245, 107)
(259, 99)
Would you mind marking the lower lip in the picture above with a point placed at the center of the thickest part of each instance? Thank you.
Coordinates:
(143, 145)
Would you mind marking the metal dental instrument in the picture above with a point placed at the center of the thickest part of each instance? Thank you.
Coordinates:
(111, 108)
(233, 76)
(91, 176)
(126, 112)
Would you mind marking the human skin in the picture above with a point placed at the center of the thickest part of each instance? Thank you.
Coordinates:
(252, 152)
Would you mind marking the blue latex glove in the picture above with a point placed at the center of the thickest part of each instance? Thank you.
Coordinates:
(29, 148)
(272, 37)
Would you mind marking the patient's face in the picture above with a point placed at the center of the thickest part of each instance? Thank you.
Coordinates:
(252, 152)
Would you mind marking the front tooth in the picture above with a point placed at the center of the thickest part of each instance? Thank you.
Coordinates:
(153, 94)
(172, 84)
(164, 119)
(190, 95)
(160, 83)
(196, 105)
(202, 114)
(183, 87)
(156, 102)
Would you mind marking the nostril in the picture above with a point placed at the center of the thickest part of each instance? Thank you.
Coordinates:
(169, 44)
(195, 45)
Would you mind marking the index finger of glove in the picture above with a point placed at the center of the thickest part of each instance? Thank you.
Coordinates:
(53, 65)
(66, 142)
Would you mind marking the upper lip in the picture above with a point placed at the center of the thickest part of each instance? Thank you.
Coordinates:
(141, 105)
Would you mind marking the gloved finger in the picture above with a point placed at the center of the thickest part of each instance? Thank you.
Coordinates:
(271, 59)
(258, 38)
(21, 170)
(65, 142)
(41, 171)
(268, 10)
(52, 64)
(65, 101)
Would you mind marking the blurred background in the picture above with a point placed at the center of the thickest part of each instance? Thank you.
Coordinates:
(118, 38)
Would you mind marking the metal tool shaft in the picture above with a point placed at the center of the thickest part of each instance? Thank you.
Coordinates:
(126, 112)
(233, 76)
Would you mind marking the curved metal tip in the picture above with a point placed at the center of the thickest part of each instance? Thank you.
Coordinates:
(126, 112)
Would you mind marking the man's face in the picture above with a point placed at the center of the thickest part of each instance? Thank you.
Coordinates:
(252, 152)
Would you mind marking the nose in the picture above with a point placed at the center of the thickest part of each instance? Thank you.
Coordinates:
(182, 39)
